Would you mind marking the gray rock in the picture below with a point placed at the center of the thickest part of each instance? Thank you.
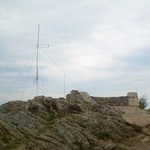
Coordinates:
(58, 124)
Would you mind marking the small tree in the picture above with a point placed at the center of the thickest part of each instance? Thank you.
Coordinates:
(143, 102)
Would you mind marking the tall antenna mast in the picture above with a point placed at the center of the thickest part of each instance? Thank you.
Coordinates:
(37, 61)
(64, 85)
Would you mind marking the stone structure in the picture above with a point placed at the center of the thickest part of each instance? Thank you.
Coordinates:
(113, 101)
(130, 100)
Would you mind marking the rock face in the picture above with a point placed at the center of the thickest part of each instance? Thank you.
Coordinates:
(135, 115)
(46, 123)
(79, 97)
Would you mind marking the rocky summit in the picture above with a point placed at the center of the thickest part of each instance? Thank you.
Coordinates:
(46, 123)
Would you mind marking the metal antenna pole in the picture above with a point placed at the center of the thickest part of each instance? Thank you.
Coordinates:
(37, 59)
(64, 85)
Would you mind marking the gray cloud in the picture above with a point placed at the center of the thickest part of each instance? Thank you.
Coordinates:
(102, 45)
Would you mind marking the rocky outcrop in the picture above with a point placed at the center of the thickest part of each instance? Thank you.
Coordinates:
(79, 97)
(135, 115)
(47, 123)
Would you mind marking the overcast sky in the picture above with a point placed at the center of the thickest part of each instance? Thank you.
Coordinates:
(102, 47)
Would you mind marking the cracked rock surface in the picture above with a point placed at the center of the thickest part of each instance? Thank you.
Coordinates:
(46, 123)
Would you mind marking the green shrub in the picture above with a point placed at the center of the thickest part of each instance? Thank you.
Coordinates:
(137, 128)
(103, 135)
(12, 146)
(51, 114)
(27, 136)
(5, 138)
(143, 102)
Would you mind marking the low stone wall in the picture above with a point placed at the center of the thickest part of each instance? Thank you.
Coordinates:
(113, 101)
(130, 100)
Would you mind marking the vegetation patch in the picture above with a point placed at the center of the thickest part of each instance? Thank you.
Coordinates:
(27, 136)
(103, 135)
(51, 114)
(5, 138)
(137, 128)
(143, 102)
(12, 146)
